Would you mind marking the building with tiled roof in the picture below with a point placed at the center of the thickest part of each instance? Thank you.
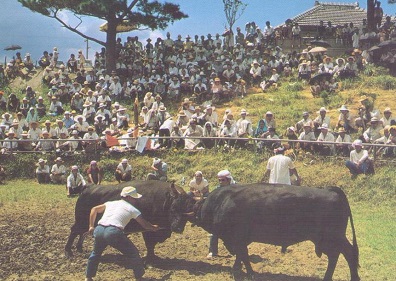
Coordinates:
(336, 13)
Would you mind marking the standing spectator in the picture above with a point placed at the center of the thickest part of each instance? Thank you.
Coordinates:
(199, 186)
(225, 179)
(58, 172)
(42, 171)
(123, 171)
(160, 170)
(358, 162)
(75, 182)
(280, 168)
(95, 173)
(116, 215)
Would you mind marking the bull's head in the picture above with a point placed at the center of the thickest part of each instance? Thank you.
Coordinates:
(181, 204)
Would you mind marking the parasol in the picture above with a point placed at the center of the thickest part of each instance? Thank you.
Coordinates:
(317, 50)
(12, 48)
(320, 43)
(125, 26)
(319, 77)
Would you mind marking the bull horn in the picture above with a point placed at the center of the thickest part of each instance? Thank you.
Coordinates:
(177, 189)
(190, 214)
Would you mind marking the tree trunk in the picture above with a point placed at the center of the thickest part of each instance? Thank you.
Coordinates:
(370, 15)
(111, 36)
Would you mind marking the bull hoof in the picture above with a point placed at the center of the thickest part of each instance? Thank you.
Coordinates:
(151, 260)
(68, 254)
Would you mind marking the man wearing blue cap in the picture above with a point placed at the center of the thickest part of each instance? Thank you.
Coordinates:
(109, 231)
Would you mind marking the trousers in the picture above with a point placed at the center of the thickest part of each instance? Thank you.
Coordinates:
(114, 237)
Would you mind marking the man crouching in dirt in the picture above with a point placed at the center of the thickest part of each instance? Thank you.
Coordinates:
(109, 231)
(2, 174)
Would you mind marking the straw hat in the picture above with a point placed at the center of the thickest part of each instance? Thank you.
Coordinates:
(343, 108)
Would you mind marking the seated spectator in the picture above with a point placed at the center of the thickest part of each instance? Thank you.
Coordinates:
(13, 103)
(80, 125)
(346, 120)
(94, 173)
(122, 118)
(3, 101)
(342, 146)
(45, 143)
(359, 162)
(41, 108)
(320, 120)
(123, 171)
(307, 135)
(209, 131)
(193, 130)
(388, 120)
(306, 120)
(74, 142)
(199, 186)
(160, 169)
(7, 120)
(42, 171)
(304, 71)
(373, 132)
(34, 131)
(271, 82)
(51, 131)
(177, 140)
(255, 73)
(77, 103)
(26, 144)
(2, 175)
(68, 121)
(90, 140)
(58, 172)
(55, 107)
(75, 182)
(324, 136)
(9, 143)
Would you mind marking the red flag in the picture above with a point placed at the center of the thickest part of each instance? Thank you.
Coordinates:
(111, 141)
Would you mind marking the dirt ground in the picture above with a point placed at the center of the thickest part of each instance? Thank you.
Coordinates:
(32, 240)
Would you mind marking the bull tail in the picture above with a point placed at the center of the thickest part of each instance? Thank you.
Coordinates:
(355, 247)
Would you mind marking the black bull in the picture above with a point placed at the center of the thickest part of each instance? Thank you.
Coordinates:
(162, 203)
(280, 215)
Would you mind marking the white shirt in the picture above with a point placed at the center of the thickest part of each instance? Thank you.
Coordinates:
(280, 166)
(118, 214)
(204, 183)
(74, 181)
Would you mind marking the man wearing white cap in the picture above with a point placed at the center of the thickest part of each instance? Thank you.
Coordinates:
(280, 168)
(58, 172)
(225, 179)
(358, 160)
(321, 119)
(109, 231)
(42, 171)
(374, 131)
(75, 182)
(324, 136)
(123, 171)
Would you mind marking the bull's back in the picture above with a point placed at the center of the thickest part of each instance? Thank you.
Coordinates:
(276, 214)
(155, 194)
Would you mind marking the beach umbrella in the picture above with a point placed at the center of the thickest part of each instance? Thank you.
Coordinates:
(317, 50)
(319, 77)
(125, 26)
(321, 43)
(12, 48)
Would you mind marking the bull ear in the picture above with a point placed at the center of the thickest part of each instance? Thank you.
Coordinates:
(174, 191)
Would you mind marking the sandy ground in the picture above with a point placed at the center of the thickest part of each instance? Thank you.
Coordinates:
(32, 240)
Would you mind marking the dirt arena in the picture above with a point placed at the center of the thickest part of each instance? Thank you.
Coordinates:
(33, 239)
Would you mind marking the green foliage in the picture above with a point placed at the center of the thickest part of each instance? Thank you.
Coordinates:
(384, 82)
(294, 87)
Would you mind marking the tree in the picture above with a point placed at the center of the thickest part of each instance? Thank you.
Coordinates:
(144, 14)
(233, 9)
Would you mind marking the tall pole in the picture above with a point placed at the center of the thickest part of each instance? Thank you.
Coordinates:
(87, 48)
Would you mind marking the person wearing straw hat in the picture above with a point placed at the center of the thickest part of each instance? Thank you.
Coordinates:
(45, 143)
(9, 143)
(346, 120)
(321, 119)
(55, 107)
(342, 148)
(373, 132)
(75, 182)
(89, 112)
(42, 171)
(324, 136)
(123, 171)
(34, 131)
(109, 231)
(388, 120)
(58, 172)
(358, 162)
(80, 125)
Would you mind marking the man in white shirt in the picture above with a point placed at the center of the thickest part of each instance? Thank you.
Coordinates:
(58, 172)
(199, 186)
(42, 171)
(109, 231)
(123, 171)
(357, 163)
(75, 182)
(280, 168)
